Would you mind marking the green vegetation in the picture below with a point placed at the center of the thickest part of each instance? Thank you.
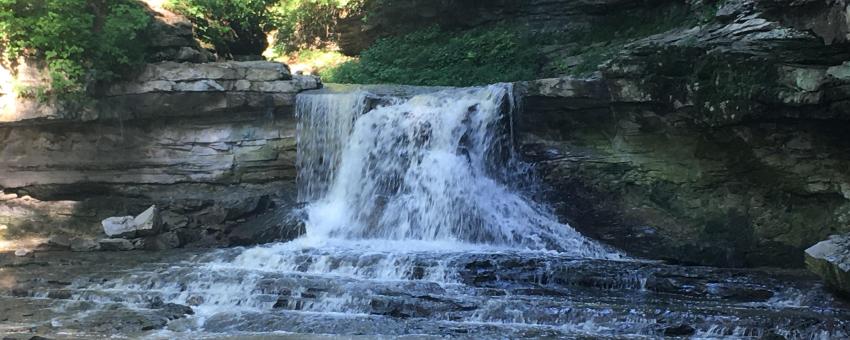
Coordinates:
(83, 41)
(232, 27)
(312, 61)
(80, 40)
(437, 57)
(311, 24)
(241, 27)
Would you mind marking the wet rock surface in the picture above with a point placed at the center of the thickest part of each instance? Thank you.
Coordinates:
(277, 224)
(209, 144)
(830, 259)
(720, 142)
(503, 294)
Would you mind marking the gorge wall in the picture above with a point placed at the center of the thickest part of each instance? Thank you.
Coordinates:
(717, 139)
(209, 144)
(723, 143)
(701, 132)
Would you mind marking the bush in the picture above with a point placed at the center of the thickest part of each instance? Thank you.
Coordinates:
(309, 24)
(240, 26)
(233, 27)
(435, 57)
(80, 40)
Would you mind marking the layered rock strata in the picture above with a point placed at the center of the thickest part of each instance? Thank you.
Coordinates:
(209, 144)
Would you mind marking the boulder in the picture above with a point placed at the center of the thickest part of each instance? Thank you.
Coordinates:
(279, 224)
(116, 244)
(164, 241)
(118, 226)
(830, 260)
(145, 224)
(59, 242)
(83, 245)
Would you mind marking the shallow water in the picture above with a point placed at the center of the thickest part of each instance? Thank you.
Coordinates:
(281, 290)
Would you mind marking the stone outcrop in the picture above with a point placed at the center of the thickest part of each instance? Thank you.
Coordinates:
(208, 144)
(146, 223)
(172, 37)
(720, 143)
(830, 259)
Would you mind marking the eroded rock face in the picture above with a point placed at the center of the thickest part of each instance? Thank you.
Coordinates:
(717, 144)
(830, 259)
(208, 144)
(171, 37)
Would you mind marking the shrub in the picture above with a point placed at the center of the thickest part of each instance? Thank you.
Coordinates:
(236, 27)
(436, 57)
(233, 27)
(309, 24)
(80, 40)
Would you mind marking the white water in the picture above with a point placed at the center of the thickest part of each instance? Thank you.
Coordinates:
(431, 168)
(398, 189)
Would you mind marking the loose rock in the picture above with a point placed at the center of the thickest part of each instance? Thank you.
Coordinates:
(116, 244)
(830, 260)
(84, 244)
(680, 330)
(145, 224)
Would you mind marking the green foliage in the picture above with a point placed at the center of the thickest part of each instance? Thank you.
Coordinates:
(241, 26)
(435, 57)
(233, 27)
(80, 40)
(309, 24)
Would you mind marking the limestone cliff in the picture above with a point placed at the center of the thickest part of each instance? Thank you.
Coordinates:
(209, 144)
(722, 143)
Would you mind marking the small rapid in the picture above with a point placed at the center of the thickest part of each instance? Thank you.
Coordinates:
(420, 222)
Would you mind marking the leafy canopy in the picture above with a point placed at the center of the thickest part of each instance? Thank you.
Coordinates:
(80, 40)
(233, 27)
(239, 27)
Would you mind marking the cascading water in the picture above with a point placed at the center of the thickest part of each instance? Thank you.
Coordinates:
(428, 168)
(419, 224)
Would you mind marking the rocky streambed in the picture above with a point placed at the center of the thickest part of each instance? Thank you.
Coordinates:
(493, 294)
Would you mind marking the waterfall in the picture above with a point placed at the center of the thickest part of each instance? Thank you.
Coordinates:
(437, 166)
(327, 118)
(420, 225)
